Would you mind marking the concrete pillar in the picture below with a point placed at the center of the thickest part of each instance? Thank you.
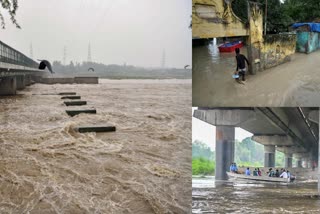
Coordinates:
(299, 163)
(8, 86)
(224, 151)
(27, 80)
(21, 84)
(288, 160)
(269, 155)
(319, 158)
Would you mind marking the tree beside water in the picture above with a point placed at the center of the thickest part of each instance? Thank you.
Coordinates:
(281, 14)
(203, 159)
(248, 153)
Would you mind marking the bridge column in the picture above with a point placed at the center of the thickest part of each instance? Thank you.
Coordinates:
(299, 163)
(288, 160)
(27, 80)
(8, 86)
(269, 155)
(224, 151)
(21, 84)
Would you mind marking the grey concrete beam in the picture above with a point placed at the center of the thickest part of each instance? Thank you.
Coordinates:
(218, 117)
(314, 116)
(276, 140)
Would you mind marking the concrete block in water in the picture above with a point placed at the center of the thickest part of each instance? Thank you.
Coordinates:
(71, 97)
(75, 103)
(96, 128)
(75, 112)
(86, 80)
(67, 93)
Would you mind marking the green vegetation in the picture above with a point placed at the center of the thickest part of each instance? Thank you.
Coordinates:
(203, 159)
(248, 153)
(251, 153)
(282, 15)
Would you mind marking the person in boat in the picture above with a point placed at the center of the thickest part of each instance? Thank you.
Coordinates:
(255, 172)
(271, 173)
(259, 172)
(241, 65)
(248, 171)
(232, 167)
(284, 174)
(235, 168)
(277, 174)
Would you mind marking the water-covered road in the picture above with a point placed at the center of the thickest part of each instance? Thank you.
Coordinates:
(296, 83)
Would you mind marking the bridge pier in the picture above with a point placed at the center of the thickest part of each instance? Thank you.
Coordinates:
(224, 151)
(269, 155)
(27, 80)
(21, 84)
(8, 86)
(288, 160)
(299, 163)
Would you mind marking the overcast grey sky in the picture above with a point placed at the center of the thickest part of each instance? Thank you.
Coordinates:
(136, 32)
(206, 133)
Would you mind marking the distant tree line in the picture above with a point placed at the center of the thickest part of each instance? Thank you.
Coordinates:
(281, 15)
(248, 153)
(118, 71)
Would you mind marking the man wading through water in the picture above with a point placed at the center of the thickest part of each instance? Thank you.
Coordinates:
(241, 66)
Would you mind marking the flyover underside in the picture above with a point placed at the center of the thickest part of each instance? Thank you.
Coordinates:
(287, 130)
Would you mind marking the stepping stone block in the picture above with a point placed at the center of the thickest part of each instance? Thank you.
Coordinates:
(67, 93)
(75, 112)
(71, 97)
(75, 103)
(96, 128)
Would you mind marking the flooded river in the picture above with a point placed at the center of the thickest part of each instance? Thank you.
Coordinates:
(209, 196)
(143, 167)
(296, 83)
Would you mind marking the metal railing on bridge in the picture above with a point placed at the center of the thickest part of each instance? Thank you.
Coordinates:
(12, 56)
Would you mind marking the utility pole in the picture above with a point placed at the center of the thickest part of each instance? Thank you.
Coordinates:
(31, 51)
(163, 61)
(89, 54)
(64, 59)
(265, 18)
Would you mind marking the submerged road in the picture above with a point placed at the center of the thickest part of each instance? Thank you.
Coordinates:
(295, 83)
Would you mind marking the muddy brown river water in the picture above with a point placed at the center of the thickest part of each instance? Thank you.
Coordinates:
(210, 196)
(143, 167)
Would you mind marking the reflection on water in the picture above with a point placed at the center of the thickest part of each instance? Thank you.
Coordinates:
(207, 58)
(143, 167)
(251, 197)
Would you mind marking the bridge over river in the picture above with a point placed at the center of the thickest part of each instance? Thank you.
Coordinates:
(16, 70)
(293, 131)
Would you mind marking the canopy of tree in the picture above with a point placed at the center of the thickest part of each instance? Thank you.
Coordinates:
(11, 6)
(281, 14)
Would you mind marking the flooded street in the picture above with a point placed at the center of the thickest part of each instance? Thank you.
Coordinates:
(291, 84)
(143, 167)
(229, 197)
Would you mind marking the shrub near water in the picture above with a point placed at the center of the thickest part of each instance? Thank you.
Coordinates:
(201, 166)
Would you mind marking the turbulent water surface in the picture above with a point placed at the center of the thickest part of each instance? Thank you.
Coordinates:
(295, 83)
(143, 167)
(210, 196)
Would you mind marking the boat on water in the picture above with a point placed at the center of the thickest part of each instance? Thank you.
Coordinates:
(230, 46)
(258, 178)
